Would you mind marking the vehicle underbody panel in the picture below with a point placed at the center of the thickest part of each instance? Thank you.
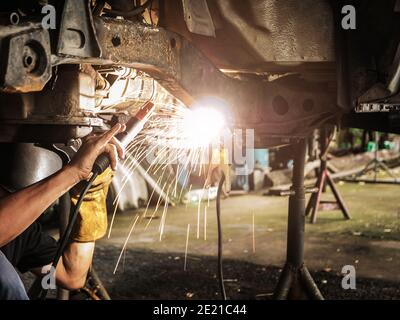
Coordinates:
(279, 70)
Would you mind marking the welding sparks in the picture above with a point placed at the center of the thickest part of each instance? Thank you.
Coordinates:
(186, 247)
(254, 236)
(173, 134)
(198, 218)
(205, 223)
(126, 242)
(201, 126)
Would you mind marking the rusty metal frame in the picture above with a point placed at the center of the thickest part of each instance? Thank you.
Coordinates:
(187, 74)
(288, 107)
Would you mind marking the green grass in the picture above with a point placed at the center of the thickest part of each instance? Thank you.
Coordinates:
(374, 210)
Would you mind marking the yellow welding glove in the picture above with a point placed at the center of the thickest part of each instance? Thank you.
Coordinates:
(91, 223)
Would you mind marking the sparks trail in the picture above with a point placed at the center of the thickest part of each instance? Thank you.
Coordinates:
(205, 222)
(186, 247)
(166, 148)
(126, 242)
(254, 236)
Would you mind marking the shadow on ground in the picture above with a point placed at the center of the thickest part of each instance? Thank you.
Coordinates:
(144, 274)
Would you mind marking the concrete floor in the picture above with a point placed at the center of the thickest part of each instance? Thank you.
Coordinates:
(152, 269)
(370, 241)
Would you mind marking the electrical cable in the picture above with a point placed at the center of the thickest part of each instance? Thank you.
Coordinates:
(65, 237)
(220, 262)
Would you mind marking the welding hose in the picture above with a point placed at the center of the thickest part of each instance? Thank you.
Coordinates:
(66, 235)
(220, 262)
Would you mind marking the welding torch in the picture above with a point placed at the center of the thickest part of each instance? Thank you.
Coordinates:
(133, 127)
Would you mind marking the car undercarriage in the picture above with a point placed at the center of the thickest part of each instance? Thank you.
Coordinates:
(281, 78)
(281, 68)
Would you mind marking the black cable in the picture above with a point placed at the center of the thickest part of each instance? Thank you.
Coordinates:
(129, 14)
(220, 266)
(65, 237)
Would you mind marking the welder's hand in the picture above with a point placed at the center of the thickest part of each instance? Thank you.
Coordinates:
(93, 146)
(92, 220)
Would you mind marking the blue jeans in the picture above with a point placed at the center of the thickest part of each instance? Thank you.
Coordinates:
(11, 287)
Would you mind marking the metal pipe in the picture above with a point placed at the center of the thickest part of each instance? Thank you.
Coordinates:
(284, 284)
(310, 286)
(295, 281)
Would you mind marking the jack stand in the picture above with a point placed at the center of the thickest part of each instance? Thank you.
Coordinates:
(295, 281)
(315, 203)
(374, 164)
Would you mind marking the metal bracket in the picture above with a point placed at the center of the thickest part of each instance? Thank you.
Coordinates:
(198, 18)
(27, 65)
(77, 34)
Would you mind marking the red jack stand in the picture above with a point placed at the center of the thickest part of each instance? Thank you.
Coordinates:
(315, 203)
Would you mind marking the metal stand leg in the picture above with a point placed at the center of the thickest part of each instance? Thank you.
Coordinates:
(338, 198)
(375, 164)
(324, 180)
(295, 281)
(315, 203)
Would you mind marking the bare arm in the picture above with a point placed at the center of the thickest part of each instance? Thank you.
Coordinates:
(20, 209)
(73, 265)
